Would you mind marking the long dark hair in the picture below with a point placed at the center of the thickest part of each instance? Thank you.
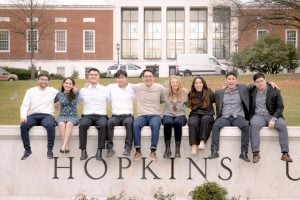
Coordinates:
(71, 95)
(193, 96)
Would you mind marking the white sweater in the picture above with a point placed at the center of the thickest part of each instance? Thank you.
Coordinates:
(37, 100)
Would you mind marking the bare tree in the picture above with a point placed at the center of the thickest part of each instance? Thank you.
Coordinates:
(31, 20)
(274, 12)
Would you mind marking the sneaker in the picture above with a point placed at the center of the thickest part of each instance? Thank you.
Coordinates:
(110, 153)
(256, 157)
(127, 152)
(286, 157)
(137, 155)
(26, 155)
(50, 154)
(153, 156)
(194, 150)
(201, 145)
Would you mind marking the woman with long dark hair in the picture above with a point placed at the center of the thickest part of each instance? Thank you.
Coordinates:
(201, 118)
(68, 116)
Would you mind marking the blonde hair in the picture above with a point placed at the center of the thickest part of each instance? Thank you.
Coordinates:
(180, 93)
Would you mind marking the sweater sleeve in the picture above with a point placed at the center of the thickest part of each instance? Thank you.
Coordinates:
(25, 105)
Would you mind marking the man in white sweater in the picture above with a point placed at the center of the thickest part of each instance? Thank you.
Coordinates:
(149, 95)
(37, 109)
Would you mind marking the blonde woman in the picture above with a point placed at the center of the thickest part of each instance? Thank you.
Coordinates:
(174, 115)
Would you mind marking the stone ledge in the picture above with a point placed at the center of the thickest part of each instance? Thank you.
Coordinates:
(13, 130)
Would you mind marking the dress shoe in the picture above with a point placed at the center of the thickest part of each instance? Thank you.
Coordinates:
(61, 151)
(153, 156)
(286, 157)
(137, 155)
(127, 152)
(83, 154)
(50, 154)
(110, 153)
(67, 151)
(244, 156)
(214, 154)
(99, 154)
(26, 155)
(201, 145)
(256, 157)
(194, 150)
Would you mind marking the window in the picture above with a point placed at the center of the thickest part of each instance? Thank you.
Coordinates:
(32, 40)
(175, 32)
(61, 71)
(291, 37)
(221, 33)
(60, 19)
(198, 30)
(4, 41)
(86, 71)
(152, 48)
(60, 41)
(129, 34)
(89, 41)
(261, 33)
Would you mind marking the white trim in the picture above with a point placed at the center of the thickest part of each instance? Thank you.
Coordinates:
(4, 19)
(34, 19)
(83, 42)
(88, 19)
(60, 19)
(3, 51)
(296, 37)
(55, 44)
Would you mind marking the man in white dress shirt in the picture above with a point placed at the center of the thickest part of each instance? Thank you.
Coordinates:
(121, 96)
(37, 109)
(93, 97)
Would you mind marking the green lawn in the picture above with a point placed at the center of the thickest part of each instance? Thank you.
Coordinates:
(12, 94)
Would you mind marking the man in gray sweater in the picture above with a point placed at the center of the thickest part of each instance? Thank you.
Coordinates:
(148, 96)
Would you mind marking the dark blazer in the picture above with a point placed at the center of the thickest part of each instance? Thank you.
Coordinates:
(244, 94)
(274, 102)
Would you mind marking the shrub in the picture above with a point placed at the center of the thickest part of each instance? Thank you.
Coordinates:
(23, 74)
(160, 195)
(209, 190)
(56, 77)
(103, 75)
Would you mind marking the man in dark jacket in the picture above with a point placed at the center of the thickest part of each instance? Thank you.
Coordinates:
(266, 107)
(232, 106)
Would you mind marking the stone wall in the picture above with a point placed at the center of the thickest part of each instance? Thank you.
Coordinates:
(65, 176)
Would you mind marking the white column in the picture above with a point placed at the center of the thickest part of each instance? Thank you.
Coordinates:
(164, 33)
(141, 33)
(187, 29)
(210, 29)
(117, 32)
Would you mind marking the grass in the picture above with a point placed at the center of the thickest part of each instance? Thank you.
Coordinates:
(12, 93)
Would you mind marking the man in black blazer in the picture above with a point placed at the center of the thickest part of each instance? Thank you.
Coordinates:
(266, 107)
(232, 107)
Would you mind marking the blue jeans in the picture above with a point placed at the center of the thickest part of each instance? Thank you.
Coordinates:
(154, 121)
(45, 120)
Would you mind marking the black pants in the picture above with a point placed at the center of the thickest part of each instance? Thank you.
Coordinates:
(99, 121)
(199, 128)
(120, 120)
(240, 122)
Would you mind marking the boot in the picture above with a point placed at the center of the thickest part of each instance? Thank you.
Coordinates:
(99, 154)
(167, 153)
(83, 154)
(177, 149)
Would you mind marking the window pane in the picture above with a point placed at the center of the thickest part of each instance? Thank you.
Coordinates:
(89, 41)
(130, 33)
(60, 41)
(4, 40)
